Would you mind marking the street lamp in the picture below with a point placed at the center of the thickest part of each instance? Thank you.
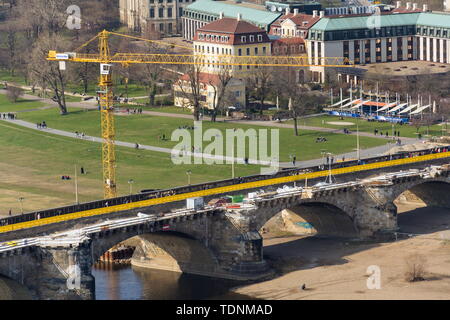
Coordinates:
(130, 182)
(330, 177)
(21, 205)
(357, 142)
(189, 172)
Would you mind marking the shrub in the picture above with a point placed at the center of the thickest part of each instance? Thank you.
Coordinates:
(13, 93)
(415, 268)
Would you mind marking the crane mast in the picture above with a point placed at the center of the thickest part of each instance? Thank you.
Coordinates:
(107, 119)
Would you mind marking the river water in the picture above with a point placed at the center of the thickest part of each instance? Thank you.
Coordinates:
(131, 283)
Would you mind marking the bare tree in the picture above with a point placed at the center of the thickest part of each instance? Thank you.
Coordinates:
(190, 87)
(11, 43)
(149, 74)
(261, 82)
(13, 93)
(47, 73)
(220, 89)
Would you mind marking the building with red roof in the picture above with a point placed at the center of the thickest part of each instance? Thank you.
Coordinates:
(230, 36)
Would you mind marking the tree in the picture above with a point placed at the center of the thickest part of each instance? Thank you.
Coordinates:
(149, 74)
(220, 88)
(417, 122)
(47, 73)
(13, 93)
(261, 82)
(190, 86)
(11, 29)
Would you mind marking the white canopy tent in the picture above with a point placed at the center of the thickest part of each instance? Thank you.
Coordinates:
(390, 105)
(408, 108)
(350, 103)
(339, 103)
(418, 110)
(360, 104)
(400, 106)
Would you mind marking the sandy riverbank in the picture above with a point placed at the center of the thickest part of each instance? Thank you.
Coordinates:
(337, 269)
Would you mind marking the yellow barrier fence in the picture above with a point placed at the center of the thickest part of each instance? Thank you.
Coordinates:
(220, 190)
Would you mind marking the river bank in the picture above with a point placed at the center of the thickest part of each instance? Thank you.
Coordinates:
(337, 269)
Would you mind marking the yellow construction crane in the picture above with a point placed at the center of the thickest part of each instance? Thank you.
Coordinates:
(106, 59)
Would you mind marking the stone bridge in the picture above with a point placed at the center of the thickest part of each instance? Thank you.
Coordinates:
(217, 242)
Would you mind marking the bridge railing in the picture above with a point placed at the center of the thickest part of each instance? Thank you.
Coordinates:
(127, 202)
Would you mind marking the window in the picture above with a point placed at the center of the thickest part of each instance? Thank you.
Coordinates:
(161, 27)
(180, 11)
(256, 51)
(169, 12)
(248, 51)
(252, 39)
(264, 50)
(239, 52)
(237, 93)
(243, 39)
(260, 38)
(161, 12)
(152, 13)
(170, 27)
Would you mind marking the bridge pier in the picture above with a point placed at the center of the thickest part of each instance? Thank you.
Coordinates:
(53, 273)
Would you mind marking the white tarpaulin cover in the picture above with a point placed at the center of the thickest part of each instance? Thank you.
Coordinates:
(398, 107)
(408, 109)
(390, 105)
(338, 103)
(421, 109)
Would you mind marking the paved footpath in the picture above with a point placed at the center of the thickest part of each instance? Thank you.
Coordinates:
(364, 153)
(301, 164)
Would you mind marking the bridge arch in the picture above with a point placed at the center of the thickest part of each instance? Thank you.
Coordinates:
(432, 192)
(325, 218)
(174, 250)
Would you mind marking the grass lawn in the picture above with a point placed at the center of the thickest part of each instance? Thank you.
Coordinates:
(134, 90)
(21, 104)
(6, 76)
(32, 163)
(169, 109)
(366, 126)
(146, 129)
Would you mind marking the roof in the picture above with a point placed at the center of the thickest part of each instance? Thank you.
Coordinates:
(258, 17)
(203, 77)
(231, 25)
(370, 103)
(363, 22)
(433, 19)
(298, 19)
(234, 31)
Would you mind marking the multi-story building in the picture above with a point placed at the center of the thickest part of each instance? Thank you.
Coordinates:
(162, 16)
(202, 12)
(295, 24)
(224, 37)
(400, 35)
(230, 36)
